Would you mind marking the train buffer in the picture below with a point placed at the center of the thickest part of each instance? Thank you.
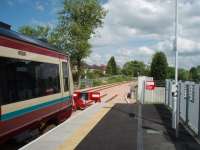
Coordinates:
(113, 126)
(83, 99)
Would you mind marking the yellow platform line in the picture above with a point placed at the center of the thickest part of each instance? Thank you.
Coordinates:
(82, 132)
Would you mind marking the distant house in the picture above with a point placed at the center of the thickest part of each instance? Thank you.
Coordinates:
(94, 67)
(103, 68)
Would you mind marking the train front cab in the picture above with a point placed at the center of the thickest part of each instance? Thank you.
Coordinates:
(35, 88)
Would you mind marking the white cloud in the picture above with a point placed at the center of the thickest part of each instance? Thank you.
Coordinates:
(95, 59)
(39, 6)
(146, 50)
(187, 45)
(136, 29)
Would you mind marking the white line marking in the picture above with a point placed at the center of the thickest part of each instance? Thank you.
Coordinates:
(140, 131)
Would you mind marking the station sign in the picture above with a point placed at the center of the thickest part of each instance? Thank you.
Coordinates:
(150, 85)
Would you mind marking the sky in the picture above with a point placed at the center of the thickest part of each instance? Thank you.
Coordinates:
(132, 29)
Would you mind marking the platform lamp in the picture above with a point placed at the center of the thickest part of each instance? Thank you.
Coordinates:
(175, 114)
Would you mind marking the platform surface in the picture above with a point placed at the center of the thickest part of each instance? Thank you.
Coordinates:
(117, 124)
(119, 130)
(73, 131)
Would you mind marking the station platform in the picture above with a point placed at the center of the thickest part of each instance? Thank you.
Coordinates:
(117, 125)
(120, 129)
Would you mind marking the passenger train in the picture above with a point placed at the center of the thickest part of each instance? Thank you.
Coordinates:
(36, 85)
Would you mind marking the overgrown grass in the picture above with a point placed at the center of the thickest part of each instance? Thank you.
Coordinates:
(110, 80)
(118, 79)
(97, 82)
(105, 80)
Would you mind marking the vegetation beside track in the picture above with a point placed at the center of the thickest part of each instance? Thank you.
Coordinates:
(112, 79)
(106, 81)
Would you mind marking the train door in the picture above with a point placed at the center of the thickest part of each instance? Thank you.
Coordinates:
(66, 78)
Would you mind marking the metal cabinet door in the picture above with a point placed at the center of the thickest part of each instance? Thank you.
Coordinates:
(193, 107)
(183, 99)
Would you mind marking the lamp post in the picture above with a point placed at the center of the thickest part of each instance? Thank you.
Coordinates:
(175, 114)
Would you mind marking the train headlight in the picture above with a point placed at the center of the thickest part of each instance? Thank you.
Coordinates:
(75, 95)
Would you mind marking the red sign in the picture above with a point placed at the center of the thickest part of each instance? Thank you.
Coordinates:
(150, 85)
(95, 96)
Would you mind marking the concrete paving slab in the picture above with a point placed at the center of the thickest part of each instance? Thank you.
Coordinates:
(158, 118)
(117, 130)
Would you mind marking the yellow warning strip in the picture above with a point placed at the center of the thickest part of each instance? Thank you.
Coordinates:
(82, 132)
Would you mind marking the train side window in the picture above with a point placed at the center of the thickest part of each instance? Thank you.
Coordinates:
(24, 79)
(65, 76)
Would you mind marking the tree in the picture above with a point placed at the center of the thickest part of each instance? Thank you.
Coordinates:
(147, 71)
(119, 70)
(159, 66)
(193, 74)
(111, 68)
(170, 72)
(128, 68)
(183, 74)
(134, 68)
(94, 74)
(77, 23)
(41, 32)
(198, 73)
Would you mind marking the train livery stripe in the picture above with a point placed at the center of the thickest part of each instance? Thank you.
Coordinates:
(20, 112)
(20, 45)
(14, 53)
(28, 103)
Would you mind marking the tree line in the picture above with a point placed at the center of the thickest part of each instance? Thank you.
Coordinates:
(130, 68)
(158, 69)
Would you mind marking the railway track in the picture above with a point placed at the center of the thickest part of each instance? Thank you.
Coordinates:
(103, 87)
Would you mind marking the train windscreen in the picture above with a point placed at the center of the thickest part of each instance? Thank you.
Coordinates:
(26, 79)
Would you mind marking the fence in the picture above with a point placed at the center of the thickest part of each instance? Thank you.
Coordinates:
(141, 87)
(156, 95)
(189, 97)
(85, 83)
